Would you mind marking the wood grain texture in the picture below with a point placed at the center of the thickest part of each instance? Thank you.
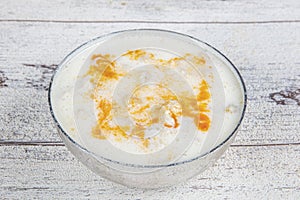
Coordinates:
(195, 11)
(245, 173)
(266, 54)
(260, 37)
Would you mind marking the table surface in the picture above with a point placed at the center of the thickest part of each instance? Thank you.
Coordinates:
(262, 38)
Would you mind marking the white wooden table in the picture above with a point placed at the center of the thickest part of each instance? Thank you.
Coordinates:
(262, 38)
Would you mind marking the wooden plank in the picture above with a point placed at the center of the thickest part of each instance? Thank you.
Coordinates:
(266, 54)
(244, 172)
(155, 11)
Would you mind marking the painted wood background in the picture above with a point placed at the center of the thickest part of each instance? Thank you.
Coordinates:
(262, 38)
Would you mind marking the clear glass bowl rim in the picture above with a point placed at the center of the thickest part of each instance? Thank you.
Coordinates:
(86, 44)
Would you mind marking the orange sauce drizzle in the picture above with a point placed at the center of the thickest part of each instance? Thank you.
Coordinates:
(104, 70)
(134, 54)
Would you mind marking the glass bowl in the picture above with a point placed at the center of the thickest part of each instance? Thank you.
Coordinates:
(138, 170)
